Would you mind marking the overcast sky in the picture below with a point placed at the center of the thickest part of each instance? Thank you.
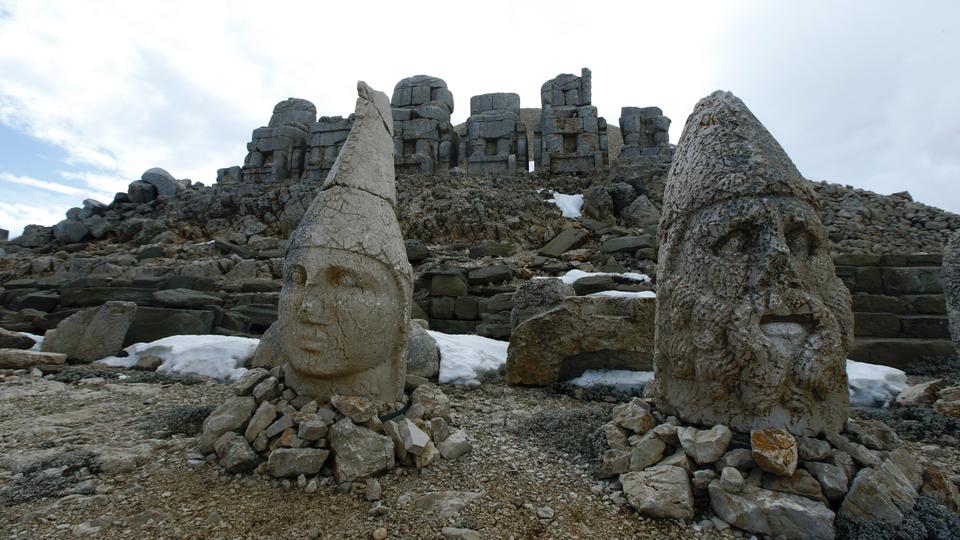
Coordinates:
(94, 93)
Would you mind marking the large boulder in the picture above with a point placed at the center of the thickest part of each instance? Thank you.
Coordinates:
(92, 334)
(582, 333)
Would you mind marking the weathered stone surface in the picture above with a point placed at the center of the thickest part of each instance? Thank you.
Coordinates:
(286, 462)
(22, 359)
(950, 276)
(229, 416)
(635, 416)
(92, 334)
(14, 340)
(235, 454)
(705, 446)
(774, 450)
(423, 356)
(582, 333)
(537, 296)
(753, 323)
(884, 493)
(660, 491)
(772, 513)
(345, 303)
(358, 452)
(832, 479)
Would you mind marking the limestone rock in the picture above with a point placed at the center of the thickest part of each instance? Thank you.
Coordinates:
(774, 450)
(705, 446)
(771, 513)
(286, 462)
(661, 491)
(635, 416)
(22, 359)
(358, 452)
(435, 403)
(229, 416)
(423, 356)
(950, 274)
(92, 334)
(455, 445)
(582, 333)
(234, 453)
(739, 310)
(14, 340)
(334, 339)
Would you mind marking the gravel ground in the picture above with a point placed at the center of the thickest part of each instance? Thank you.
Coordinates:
(122, 472)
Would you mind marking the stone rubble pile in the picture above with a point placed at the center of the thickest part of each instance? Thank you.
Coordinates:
(767, 481)
(270, 430)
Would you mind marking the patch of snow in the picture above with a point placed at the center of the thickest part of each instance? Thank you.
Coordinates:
(464, 357)
(573, 275)
(626, 294)
(873, 385)
(219, 357)
(621, 379)
(38, 339)
(570, 205)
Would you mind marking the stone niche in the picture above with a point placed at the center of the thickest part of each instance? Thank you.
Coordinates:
(327, 135)
(646, 154)
(424, 139)
(279, 150)
(571, 137)
(496, 139)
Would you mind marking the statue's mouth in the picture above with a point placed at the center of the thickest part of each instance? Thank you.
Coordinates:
(790, 327)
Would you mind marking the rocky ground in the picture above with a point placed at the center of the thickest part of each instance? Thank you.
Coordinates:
(85, 453)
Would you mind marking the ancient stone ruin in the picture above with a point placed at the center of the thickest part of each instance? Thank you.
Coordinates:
(279, 149)
(646, 154)
(753, 326)
(424, 139)
(345, 303)
(571, 138)
(496, 139)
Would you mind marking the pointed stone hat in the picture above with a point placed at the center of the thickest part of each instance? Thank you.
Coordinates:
(725, 153)
(355, 209)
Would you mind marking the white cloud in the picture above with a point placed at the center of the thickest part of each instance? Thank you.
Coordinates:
(17, 216)
(41, 184)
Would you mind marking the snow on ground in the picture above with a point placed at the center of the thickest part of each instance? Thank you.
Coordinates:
(573, 275)
(626, 294)
(220, 357)
(570, 205)
(621, 379)
(463, 357)
(872, 385)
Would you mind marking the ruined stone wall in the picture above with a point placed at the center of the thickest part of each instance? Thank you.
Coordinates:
(899, 310)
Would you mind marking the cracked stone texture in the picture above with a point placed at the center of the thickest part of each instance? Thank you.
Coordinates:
(753, 326)
(951, 285)
(582, 333)
(92, 334)
(344, 308)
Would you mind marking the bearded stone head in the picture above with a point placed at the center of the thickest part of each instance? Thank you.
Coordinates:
(753, 326)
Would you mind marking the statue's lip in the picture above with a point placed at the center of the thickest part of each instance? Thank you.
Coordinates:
(795, 324)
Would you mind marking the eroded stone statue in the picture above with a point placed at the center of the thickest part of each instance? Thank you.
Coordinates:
(344, 307)
(753, 325)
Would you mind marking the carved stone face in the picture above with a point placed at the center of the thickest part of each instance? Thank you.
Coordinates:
(754, 313)
(343, 314)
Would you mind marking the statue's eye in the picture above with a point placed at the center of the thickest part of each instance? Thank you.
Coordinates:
(342, 277)
(801, 242)
(297, 275)
(735, 242)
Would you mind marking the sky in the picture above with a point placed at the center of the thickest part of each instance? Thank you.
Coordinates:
(94, 93)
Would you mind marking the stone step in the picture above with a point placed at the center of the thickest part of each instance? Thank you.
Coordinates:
(901, 353)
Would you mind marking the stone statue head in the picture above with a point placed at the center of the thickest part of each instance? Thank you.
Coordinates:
(344, 308)
(753, 325)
